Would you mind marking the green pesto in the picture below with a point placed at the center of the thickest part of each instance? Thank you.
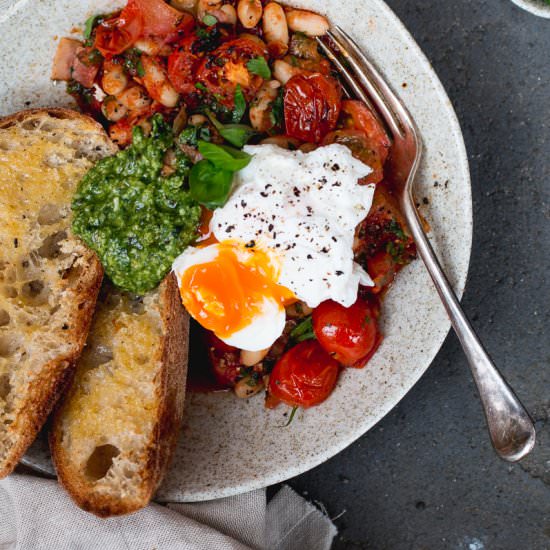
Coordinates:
(137, 220)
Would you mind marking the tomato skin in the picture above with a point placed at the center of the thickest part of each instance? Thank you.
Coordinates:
(225, 360)
(351, 334)
(304, 376)
(225, 68)
(161, 19)
(363, 119)
(117, 34)
(182, 66)
(311, 106)
(382, 270)
(358, 143)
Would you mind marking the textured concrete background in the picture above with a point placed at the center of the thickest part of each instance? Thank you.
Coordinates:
(426, 476)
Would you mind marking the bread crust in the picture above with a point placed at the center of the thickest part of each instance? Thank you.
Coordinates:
(46, 387)
(170, 393)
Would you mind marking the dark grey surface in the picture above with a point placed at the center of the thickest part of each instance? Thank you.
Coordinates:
(426, 477)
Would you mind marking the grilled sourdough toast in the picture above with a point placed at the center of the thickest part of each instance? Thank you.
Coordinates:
(115, 431)
(49, 279)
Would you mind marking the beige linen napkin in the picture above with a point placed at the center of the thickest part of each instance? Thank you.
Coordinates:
(36, 514)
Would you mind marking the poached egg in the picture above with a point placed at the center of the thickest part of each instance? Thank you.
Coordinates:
(285, 234)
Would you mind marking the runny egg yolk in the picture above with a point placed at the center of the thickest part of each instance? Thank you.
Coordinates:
(226, 293)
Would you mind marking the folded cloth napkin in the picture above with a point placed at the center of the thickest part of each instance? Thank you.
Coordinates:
(37, 514)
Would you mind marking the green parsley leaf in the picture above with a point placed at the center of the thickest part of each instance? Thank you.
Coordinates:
(223, 157)
(259, 66)
(209, 185)
(240, 105)
(303, 331)
(209, 20)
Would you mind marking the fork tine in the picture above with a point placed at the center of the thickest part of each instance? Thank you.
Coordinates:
(348, 77)
(371, 79)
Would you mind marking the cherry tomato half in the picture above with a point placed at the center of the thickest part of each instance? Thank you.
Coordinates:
(349, 334)
(358, 142)
(182, 66)
(225, 360)
(363, 119)
(117, 34)
(311, 106)
(304, 376)
(226, 67)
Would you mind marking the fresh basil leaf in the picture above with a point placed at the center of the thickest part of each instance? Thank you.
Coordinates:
(209, 185)
(89, 26)
(209, 20)
(223, 157)
(303, 331)
(259, 66)
(236, 134)
(240, 105)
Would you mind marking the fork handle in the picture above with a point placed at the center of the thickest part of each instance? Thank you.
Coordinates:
(511, 429)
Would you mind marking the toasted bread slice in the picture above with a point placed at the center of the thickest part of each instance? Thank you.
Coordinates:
(115, 430)
(49, 279)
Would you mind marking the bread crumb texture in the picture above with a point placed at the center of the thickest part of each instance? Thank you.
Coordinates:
(109, 416)
(45, 274)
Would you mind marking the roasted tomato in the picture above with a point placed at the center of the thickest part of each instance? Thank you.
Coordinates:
(161, 19)
(182, 66)
(349, 334)
(362, 118)
(226, 67)
(117, 34)
(225, 360)
(304, 376)
(311, 106)
(358, 143)
(383, 244)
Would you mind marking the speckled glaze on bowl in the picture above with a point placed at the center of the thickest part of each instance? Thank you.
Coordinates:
(228, 446)
(536, 7)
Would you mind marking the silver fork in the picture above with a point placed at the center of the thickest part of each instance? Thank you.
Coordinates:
(510, 427)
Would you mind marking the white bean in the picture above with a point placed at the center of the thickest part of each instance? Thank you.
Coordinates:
(224, 13)
(135, 98)
(113, 109)
(114, 79)
(275, 26)
(259, 106)
(249, 12)
(246, 388)
(307, 22)
(157, 84)
(183, 5)
(284, 71)
(251, 358)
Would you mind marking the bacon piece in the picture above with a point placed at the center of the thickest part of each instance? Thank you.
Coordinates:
(64, 57)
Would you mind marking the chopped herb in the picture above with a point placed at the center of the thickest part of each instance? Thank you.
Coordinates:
(139, 69)
(132, 62)
(396, 251)
(208, 40)
(259, 66)
(209, 20)
(277, 114)
(303, 331)
(200, 86)
(192, 134)
(240, 105)
(291, 417)
(395, 228)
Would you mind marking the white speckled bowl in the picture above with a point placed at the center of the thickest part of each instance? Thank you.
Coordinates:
(229, 446)
(536, 7)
